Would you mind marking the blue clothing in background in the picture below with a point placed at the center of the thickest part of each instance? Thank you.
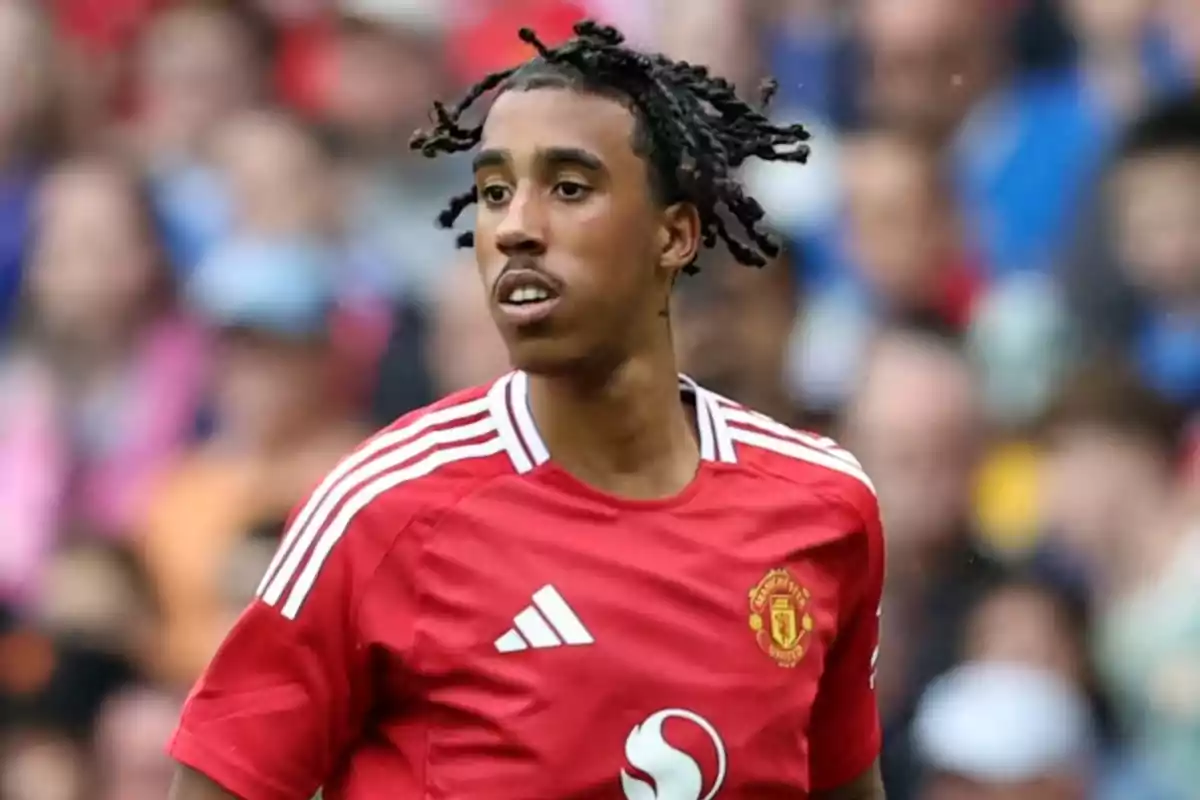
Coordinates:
(17, 194)
(1021, 164)
(816, 69)
(1168, 354)
(193, 212)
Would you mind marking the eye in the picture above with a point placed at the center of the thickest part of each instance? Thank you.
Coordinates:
(571, 191)
(494, 194)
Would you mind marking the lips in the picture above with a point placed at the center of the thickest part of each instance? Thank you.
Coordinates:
(523, 285)
(525, 296)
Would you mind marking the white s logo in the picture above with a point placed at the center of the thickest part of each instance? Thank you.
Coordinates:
(676, 775)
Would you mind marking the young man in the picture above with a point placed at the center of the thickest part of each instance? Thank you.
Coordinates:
(593, 578)
(1154, 196)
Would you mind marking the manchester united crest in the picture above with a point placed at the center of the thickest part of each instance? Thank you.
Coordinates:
(779, 617)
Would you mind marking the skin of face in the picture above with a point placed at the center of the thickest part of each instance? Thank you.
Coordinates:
(563, 195)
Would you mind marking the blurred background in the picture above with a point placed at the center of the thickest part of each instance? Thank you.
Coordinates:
(219, 270)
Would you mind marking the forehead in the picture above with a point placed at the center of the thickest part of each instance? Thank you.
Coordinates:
(85, 190)
(524, 122)
(878, 163)
(263, 140)
(918, 22)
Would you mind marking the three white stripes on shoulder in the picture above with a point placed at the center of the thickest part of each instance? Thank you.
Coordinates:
(549, 622)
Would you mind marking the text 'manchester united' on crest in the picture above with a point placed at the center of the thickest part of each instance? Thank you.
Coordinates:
(779, 617)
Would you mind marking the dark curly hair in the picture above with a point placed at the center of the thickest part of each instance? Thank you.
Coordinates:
(692, 129)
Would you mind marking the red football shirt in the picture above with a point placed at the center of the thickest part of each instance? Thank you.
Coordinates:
(451, 615)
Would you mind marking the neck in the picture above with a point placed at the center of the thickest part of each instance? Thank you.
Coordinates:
(84, 359)
(626, 433)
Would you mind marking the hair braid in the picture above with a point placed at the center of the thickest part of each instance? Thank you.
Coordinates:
(697, 132)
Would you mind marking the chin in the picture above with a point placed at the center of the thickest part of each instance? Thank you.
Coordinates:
(544, 358)
(554, 356)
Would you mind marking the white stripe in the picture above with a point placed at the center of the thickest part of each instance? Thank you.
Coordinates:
(361, 499)
(706, 426)
(564, 620)
(725, 450)
(350, 483)
(738, 413)
(801, 453)
(511, 642)
(524, 418)
(498, 399)
(715, 444)
(721, 406)
(768, 425)
(374, 446)
(535, 629)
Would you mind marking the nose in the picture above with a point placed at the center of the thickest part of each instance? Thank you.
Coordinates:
(522, 229)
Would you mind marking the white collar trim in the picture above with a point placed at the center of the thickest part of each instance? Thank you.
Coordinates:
(509, 402)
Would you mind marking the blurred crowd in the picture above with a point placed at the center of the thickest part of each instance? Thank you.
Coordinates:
(219, 270)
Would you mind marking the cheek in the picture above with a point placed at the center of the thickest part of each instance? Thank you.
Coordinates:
(489, 261)
(612, 246)
(594, 229)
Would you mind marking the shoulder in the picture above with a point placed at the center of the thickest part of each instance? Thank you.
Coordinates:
(802, 459)
(420, 464)
(426, 457)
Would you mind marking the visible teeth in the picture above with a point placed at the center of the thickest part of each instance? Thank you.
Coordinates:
(528, 294)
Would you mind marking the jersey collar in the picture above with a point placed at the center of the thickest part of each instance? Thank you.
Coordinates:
(509, 401)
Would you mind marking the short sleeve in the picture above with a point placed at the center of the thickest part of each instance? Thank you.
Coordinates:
(272, 716)
(844, 732)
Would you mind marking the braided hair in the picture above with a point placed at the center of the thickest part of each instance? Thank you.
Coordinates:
(692, 129)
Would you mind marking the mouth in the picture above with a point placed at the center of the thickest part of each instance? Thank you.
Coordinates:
(526, 296)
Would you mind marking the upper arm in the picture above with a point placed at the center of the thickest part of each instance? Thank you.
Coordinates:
(867, 786)
(844, 732)
(288, 689)
(191, 785)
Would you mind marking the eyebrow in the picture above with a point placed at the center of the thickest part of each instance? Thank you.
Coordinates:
(571, 157)
(486, 159)
(552, 156)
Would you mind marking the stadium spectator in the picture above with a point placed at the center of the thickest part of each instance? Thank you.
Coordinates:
(196, 65)
(30, 133)
(389, 64)
(1156, 199)
(1038, 745)
(103, 384)
(906, 254)
(916, 423)
(282, 419)
(1114, 501)
(284, 190)
(1022, 149)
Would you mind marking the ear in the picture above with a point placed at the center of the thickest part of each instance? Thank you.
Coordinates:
(679, 237)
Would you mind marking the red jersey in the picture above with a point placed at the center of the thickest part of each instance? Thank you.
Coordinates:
(451, 615)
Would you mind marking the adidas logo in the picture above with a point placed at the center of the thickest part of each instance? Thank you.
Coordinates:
(549, 622)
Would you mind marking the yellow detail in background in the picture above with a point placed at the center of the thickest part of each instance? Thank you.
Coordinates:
(1006, 497)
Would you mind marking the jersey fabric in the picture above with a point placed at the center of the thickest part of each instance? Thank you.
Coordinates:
(451, 615)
